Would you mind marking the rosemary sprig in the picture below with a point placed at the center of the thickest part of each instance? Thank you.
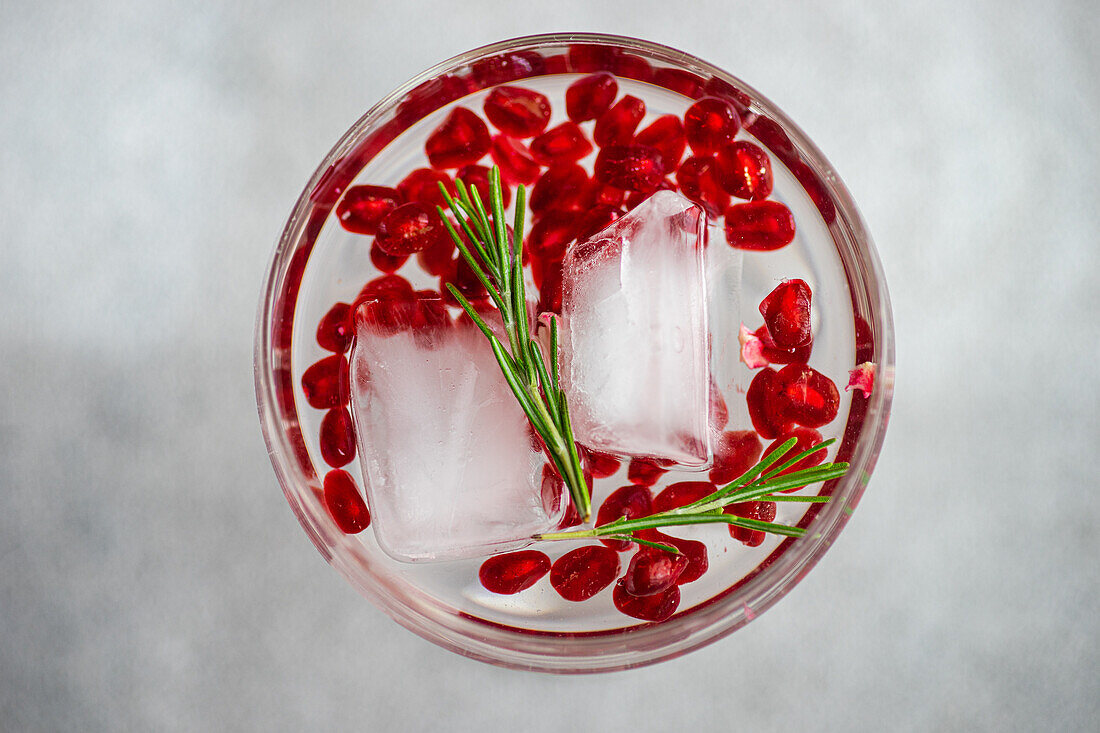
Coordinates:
(759, 483)
(499, 268)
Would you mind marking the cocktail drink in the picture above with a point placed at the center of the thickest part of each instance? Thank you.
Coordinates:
(696, 287)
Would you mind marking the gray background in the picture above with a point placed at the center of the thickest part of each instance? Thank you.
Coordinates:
(153, 578)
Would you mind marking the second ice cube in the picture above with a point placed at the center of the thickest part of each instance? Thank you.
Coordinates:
(634, 356)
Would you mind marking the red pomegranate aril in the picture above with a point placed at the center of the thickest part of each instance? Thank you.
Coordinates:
(680, 81)
(589, 97)
(632, 502)
(431, 95)
(588, 57)
(601, 464)
(697, 182)
(408, 229)
(334, 329)
(337, 437)
(582, 573)
(762, 511)
(744, 170)
(681, 494)
(507, 67)
(461, 139)
(786, 311)
(759, 225)
(763, 402)
(631, 66)
(363, 207)
(631, 167)
(657, 607)
(515, 161)
(556, 64)
(344, 502)
(667, 135)
(512, 572)
(604, 195)
(477, 176)
(517, 112)
(422, 186)
(806, 438)
(565, 143)
(547, 274)
(465, 281)
(694, 551)
(616, 126)
(776, 355)
(596, 220)
(806, 396)
(644, 471)
(325, 384)
(562, 187)
(709, 124)
(653, 571)
(386, 263)
(436, 259)
(735, 452)
(387, 286)
(550, 235)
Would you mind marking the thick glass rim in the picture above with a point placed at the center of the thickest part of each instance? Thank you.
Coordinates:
(596, 651)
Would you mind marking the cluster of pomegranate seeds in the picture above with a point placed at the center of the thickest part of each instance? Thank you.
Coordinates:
(344, 502)
(510, 573)
(517, 112)
(461, 139)
(582, 573)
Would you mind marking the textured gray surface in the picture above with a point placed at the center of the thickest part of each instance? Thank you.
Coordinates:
(151, 575)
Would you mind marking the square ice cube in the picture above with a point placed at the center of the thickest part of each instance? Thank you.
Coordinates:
(634, 356)
(447, 459)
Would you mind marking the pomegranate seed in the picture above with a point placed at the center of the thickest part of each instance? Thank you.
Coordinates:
(562, 187)
(477, 176)
(644, 471)
(775, 139)
(337, 437)
(582, 573)
(786, 311)
(719, 411)
(325, 384)
(709, 124)
(776, 355)
(653, 571)
(547, 274)
(667, 135)
(364, 207)
(431, 95)
(408, 229)
(387, 286)
(632, 167)
(604, 195)
(657, 607)
(762, 511)
(507, 67)
(422, 186)
(616, 126)
(679, 81)
(806, 396)
(515, 161)
(721, 88)
(517, 112)
(735, 452)
(601, 464)
(588, 57)
(596, 220)
(759, 225)
(386, 263)
(744, 170)
(436, 259)
(632, 502)
(763, 401)
(515, 571)
(344, 502)
(565, 143)
(461, 139)
(589, 97)
(465, 281)
(334, 330)
(693, 550)
(681, 494)
(629, 66)
(807, 438)
(697, 182)
(550, 235)
(556, 64)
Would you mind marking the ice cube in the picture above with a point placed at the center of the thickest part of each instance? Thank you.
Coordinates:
(634, 356)
(447, 459)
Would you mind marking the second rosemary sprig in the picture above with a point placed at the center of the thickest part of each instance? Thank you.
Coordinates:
(497, 262)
